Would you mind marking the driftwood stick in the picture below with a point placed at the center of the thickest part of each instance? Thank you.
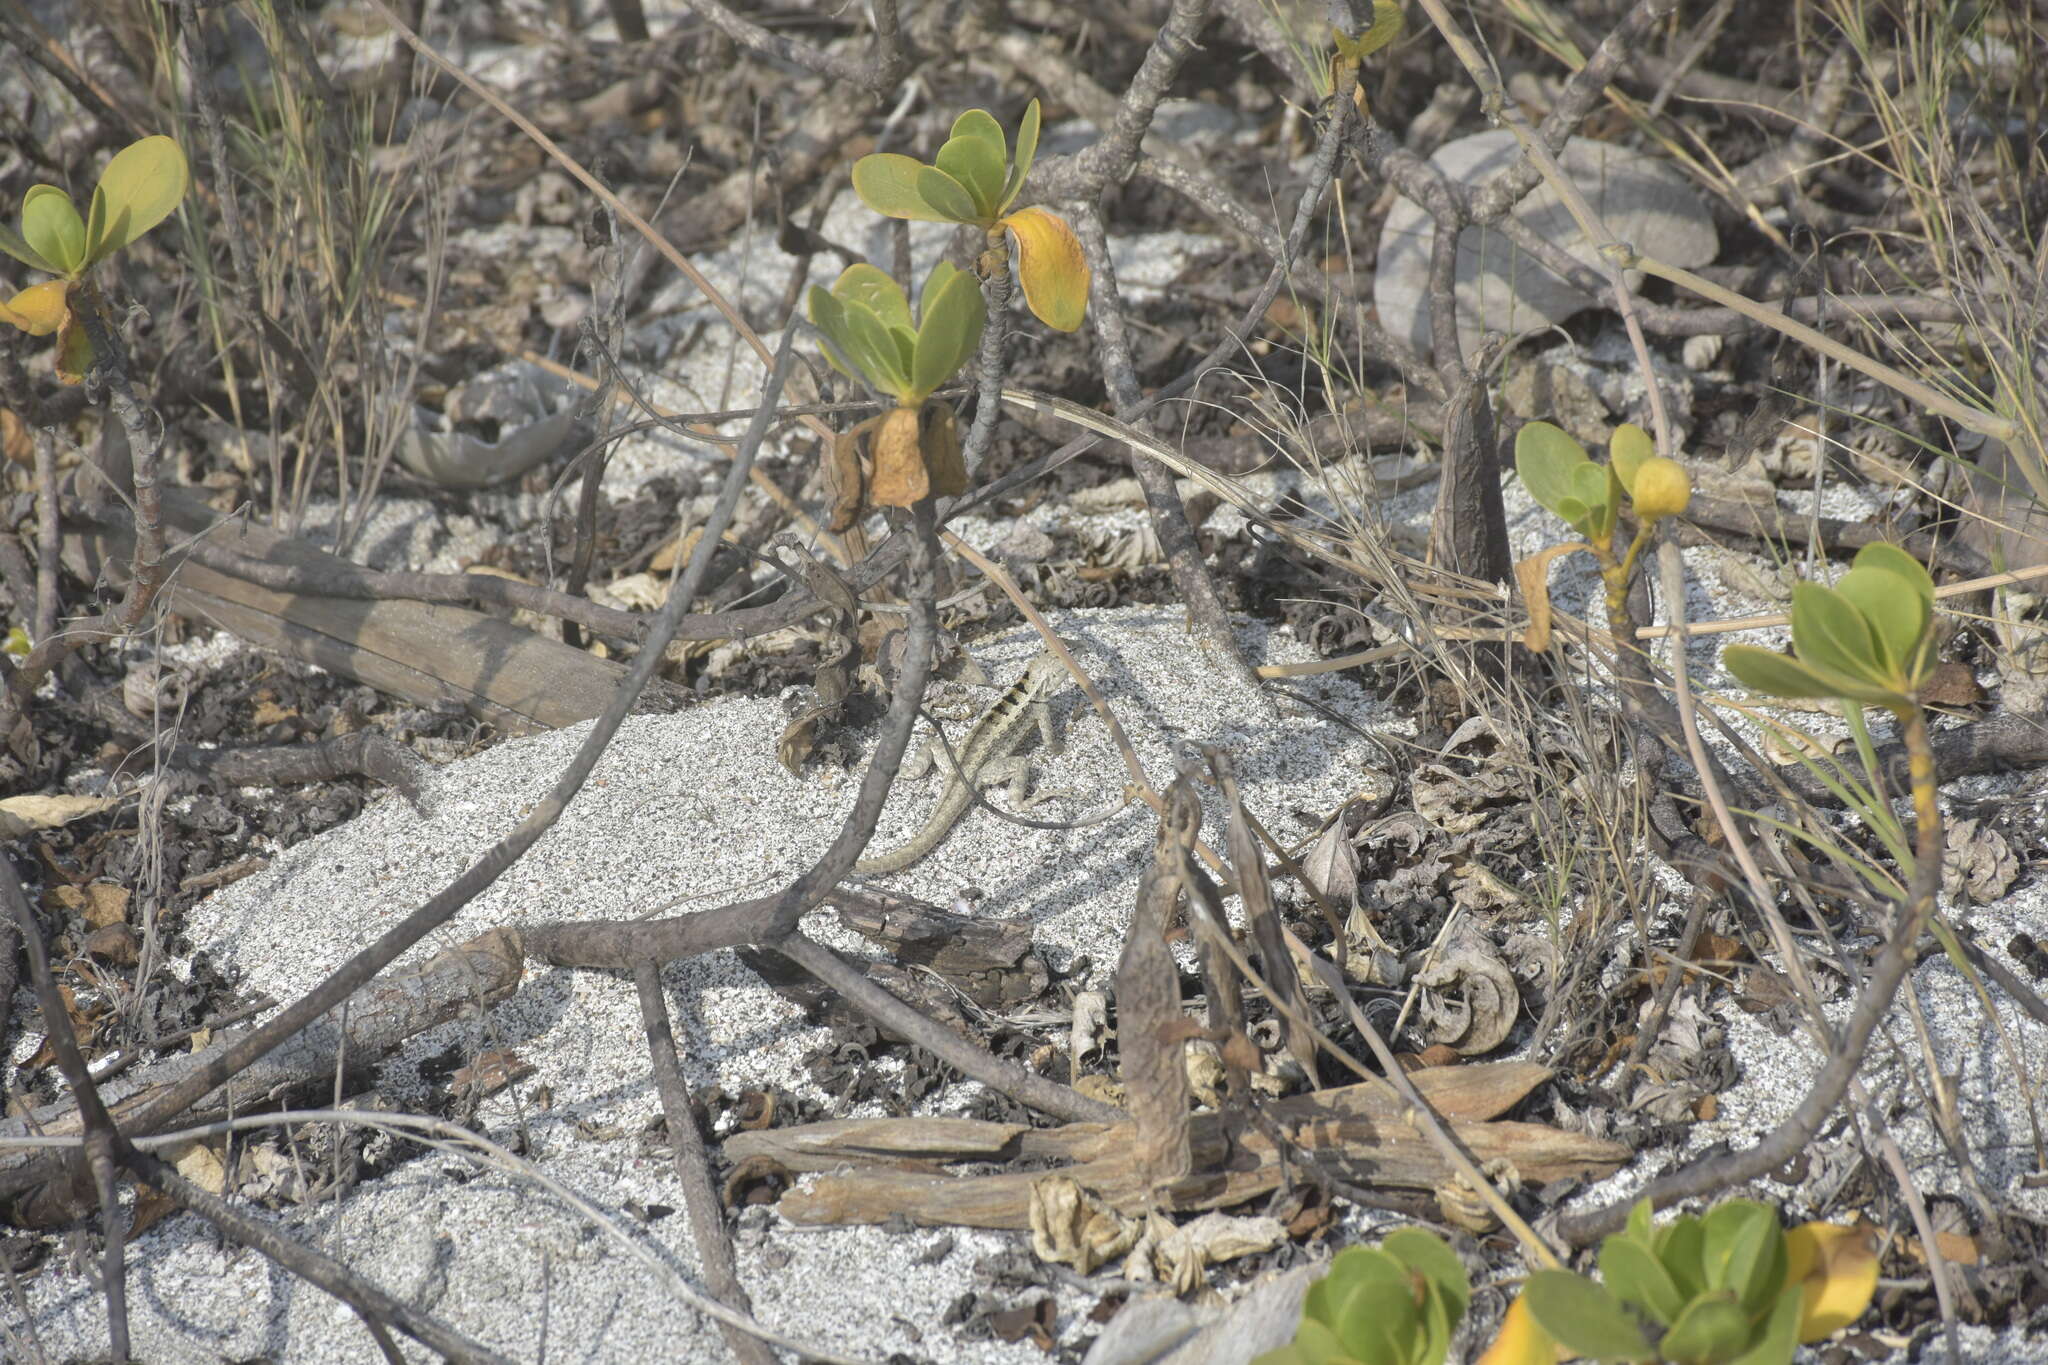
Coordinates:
(693, 1169)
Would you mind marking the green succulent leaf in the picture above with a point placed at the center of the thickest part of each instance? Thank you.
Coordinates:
(887, 182)
(1027, 152)
(970, 160)
(873, 347)
(1584, 1317)
(52, 228)
(1711, 1330)
(13, 244)
(1594, 485)
(1626, 450)
(1891, 598)
(1425, 1254)
(871, 288)
(1774, 674)
(1632, 1271)
(1545, 456)
(1890, 558)
(1745, 1250)
(947, 195)
(1779, 1338)
(1379, 1321)
(1293, 1354)
(982, 126)
(1831, 635)
(1681, 1248)
(139, 188)
(1319, 1345)
(828, 315)
(951, 327)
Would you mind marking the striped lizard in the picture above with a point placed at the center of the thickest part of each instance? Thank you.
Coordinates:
(987, 753)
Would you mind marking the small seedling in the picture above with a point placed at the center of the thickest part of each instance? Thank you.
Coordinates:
(1394, 1304)
(1559, 475)
(871, 337)
(974, 181)
(1868, 639)
(1729, 1288)
(139, 188)
(1386, 27)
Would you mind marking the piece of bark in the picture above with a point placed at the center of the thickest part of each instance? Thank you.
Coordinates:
(1151, 1030)
(828, 1008)
(423, 652)
(1359, 1130)
(992, 962)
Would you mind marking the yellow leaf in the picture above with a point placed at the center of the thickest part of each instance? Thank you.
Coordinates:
(39, 309)
(1050, 266)
(1522, 1341)
(1533, 574)
(900, 477)
(1836, 1268)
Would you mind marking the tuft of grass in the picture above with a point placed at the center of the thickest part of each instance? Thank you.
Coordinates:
(295, 301)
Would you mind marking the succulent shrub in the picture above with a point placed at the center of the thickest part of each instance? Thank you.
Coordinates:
(1868, 639)
(870, 336)
(1394, 1304)
(974, 180)
(1728, 1288)
(1588, 496)
(140, 187)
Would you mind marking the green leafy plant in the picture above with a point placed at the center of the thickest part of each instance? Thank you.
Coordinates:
(1868, 639)
(871, 337)
(975, 180)
(1394, 1304)
(139, 188)
(1562, 478)
(1729, 1288)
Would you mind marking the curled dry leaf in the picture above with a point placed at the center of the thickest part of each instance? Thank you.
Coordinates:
(1469, 1001)
(1980, 863)
(1332, 866)
(1178, 1255)
(1073, 1226)
(21, 815)
(917, 455)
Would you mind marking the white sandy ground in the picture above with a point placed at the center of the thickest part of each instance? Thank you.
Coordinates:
(691, 808)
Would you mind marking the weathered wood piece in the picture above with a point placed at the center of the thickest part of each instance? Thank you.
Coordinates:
(424, 652)
(1360, 1131)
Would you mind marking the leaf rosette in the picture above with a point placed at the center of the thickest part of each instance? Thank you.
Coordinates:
(974, 180)
(1868, 639)
(140, 187)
